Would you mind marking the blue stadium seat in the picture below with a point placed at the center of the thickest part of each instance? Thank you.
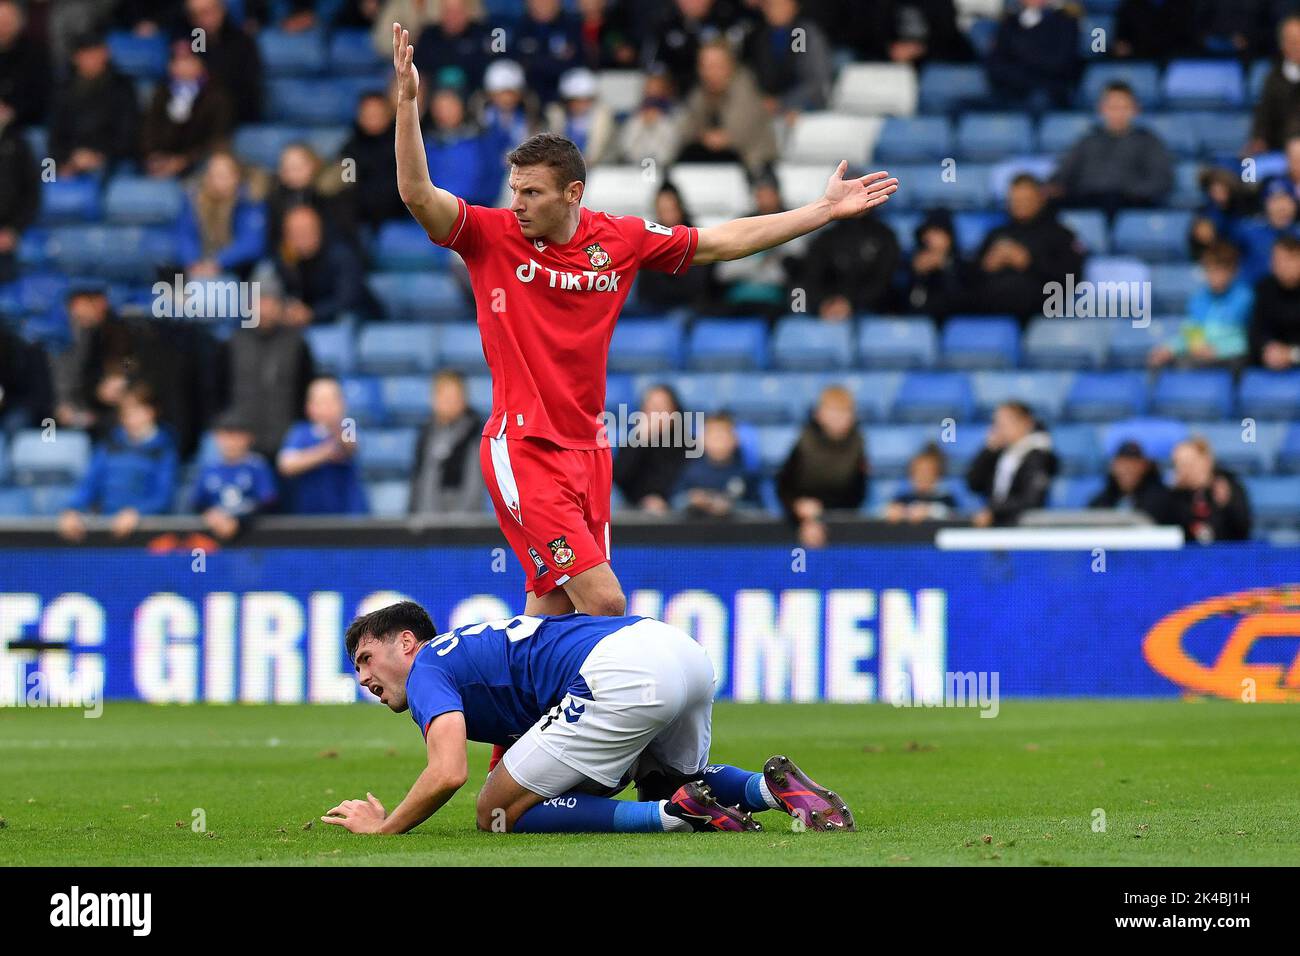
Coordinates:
(1144, 78)
(1180, 137)
(930, 397)
(619, 391)
(292, 54)
(352, 52)
(1157, 436)
(812, 344)
(934, 185)
(262, 143)
(139, 57)
(762, 398)
(903, 224)
(727, 345)
(407, 398)
(1074, 493)
(1044, 391)
(364, 401)
(16, 502)
(1275, 501)
(971, 342)
(1091, 228)
(327, 141)
(479, 389)
(873, 392)
(1234, 452)
(49, 500)
(34, 292)
(1116, 269)
(34, 461)
(69, 200)
(1077, 450)
(1259, 71)
(1131, 344)
(1187, 186)
(913, 139)
(332, 348)
(774, 445)
(389, 347)
(1172, 285)
(946, 87)
(1267, 394)
(119, 252)
(1204, 84)
(402, 246)
(1193, 394)
(1222, 134)
(4, 459)
(418, 297)
(386, 452)
(1066, 343)
(897, 343)
(645, 345)
(983, 137)
(891, 447)
(388, 499)
(1154, 235)
(1057, 132)
(972, 227)
(314, 102)
(1288, 452)
(1106, 396)
(461, 348)
(142, 200)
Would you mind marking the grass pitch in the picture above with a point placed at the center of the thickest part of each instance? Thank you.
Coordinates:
(1198, 783)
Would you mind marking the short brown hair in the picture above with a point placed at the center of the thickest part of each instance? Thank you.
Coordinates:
(1222, 253)
(554, 150)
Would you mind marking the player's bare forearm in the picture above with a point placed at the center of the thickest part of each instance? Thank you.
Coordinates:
(427, 796)
(435, 209)
(744, 237)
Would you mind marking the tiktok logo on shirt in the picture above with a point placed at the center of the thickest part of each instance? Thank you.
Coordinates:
(569, 281)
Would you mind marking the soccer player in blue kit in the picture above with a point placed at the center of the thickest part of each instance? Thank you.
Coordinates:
(586, 706)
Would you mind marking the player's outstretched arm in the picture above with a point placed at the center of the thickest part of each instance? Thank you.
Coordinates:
(844, 199)
(435, 209)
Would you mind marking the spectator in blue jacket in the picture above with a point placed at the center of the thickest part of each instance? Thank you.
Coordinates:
(220, 229)
(718, 482)
(1035, 56)
(1255, 236)
(318, 458)
(132, 473)
(1218, 314)
(549, 41)
(236, 487)
(457, 150)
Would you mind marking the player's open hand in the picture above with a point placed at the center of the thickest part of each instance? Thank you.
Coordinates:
(853, 197)
(408, 77)
(359, 816)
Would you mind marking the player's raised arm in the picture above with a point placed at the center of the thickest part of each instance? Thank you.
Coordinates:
(435, 209)
(844, 199)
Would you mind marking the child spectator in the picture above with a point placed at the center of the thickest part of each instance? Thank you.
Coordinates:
(238, 486)
(1218, 313)
(1208, 501)
(717, 483)
(318, 458)
(827, 468)
(924, 499)
(132, 473)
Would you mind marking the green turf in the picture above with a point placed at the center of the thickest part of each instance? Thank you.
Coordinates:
(1180, 783)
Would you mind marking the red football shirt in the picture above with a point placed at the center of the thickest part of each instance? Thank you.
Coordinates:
(546, 312)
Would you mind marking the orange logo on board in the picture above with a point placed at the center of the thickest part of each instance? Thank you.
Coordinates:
(1262, 614)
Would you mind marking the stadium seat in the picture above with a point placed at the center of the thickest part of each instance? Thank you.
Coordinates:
(1000, 174)
(403, 246)
(1091, 228)
(142, 200)
(930, 397)
(461, 348)
(913, 139)
(903, 225)
(1154, 235)
(812, 344)
(826, 137)
(1130, 344)
(49, 500)
(116, 252)
(479, 389)
(1187, 186)
(351, 51)
(1288, 452)
(1074, 493)
(645, 345)
(1157, 436)
(1234, 451)
(947, 87)
(1204, 84)
(1268, 395)
(1066, 343)
(761, 398)
(891, 447)
(303, 53)
(1144, 78)
(620, 90)
(389, 347)
(332, 348)
(801, 183)
(876, 89)
(262, 143)
(1221, 134)
(774, 445)
(363, 399)
(388, 499)
(1275, 501)
(1057, 132)
(938, 185)
(69, 200)
(386, 453)
(312, 102)
(139, 57)
(327, 141)
(873, 392)
(623, 190)
(973, 227)
(15, 502)
(1099, 269)
(1192, 394)
(1172, 285)
(1095, 31)
(419, 297)
(983, 137)
(619, 391)
(35, 461)
(897, 343)
(1180, 137)
(1106, 396)
(1044, 392)
(727, 345)
(1259, 71)
(406, 398)
(971, 342)
(1076, 449)
(712, 189)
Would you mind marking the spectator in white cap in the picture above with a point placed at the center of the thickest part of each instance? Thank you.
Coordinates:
(581, 117)
(506, 109)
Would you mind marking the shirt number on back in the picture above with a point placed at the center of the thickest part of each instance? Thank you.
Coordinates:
(517, 628)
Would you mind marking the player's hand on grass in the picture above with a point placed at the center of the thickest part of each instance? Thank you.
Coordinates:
(853, 197)
(359, 816)
(408, 77)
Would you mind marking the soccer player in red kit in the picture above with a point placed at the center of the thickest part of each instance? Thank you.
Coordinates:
(549, 279)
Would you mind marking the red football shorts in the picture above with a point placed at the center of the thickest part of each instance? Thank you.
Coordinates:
(552, 504)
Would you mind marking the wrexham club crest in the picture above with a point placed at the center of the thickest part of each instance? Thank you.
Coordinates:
(598, 256)
(561, 553)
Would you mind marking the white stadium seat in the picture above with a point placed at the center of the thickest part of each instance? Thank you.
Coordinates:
(876, 89)
(620, 190)
(620, 90)
(712, 189)
(829, 137)
(801, 184)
